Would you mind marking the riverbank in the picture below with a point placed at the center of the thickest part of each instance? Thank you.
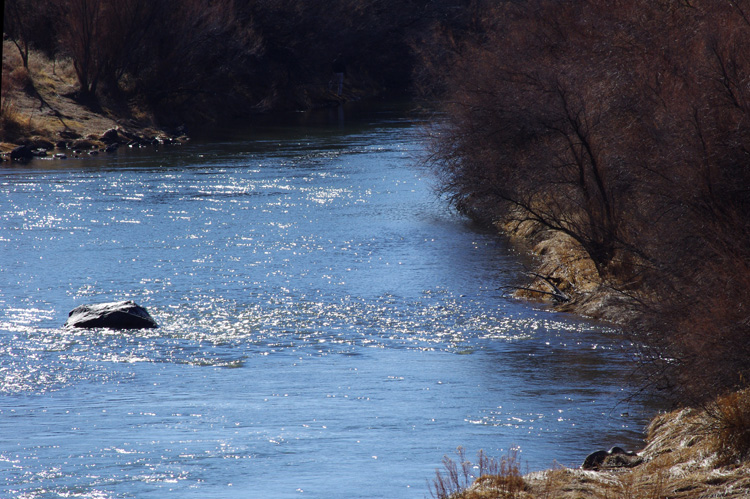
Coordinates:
(563, 276)
(684, 458)
(692, 452)
(40, 110)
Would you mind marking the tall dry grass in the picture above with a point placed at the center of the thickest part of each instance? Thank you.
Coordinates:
(12, 124)
(487, 478)
(730, 415)
(15, 79)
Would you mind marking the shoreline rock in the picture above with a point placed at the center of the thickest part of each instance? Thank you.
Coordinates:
(108, 142)
(614, 458)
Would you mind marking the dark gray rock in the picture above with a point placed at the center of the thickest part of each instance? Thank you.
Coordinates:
(594, 460)
(621, 460)
(616, 457)
(113, 315)
(110, 136)
(39, 143)
(21, 154)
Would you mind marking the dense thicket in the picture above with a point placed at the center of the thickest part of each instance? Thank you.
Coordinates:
(625, 125)
(193, 58)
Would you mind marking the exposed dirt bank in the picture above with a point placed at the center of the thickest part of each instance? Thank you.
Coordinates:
(563, 276)
(40, 109)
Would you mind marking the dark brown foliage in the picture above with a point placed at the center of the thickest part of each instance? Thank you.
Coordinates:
(626, 126)
(187, 60)
(26, 25)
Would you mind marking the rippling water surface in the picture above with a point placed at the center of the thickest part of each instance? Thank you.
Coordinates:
(328, 327)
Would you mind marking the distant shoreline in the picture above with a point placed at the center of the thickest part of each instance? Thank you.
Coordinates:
(42, 111)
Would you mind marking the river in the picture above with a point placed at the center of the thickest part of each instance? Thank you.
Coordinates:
(329, 328)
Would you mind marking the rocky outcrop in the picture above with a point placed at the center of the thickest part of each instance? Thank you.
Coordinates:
(614, 458)
(112, 315)
(111, 136)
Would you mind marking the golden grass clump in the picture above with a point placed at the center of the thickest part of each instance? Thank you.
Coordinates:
(493, 479)
(732, 423)
(15, 76)
(18, 78)
(12, 123)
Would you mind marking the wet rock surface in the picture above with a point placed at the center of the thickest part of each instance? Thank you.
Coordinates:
(113, 315)
(616, 457)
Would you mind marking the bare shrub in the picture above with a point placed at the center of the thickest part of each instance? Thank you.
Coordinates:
(30, 23)
(534, 125)
(625, 126)
(466, 480)
(693, 304)
(82, 38)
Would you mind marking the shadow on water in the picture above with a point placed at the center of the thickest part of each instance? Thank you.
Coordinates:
(349, 117)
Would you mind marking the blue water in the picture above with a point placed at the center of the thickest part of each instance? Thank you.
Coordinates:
(329, 328)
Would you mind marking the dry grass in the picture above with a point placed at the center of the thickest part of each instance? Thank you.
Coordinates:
(690, 454)
(731, 415)
(488, 478)
(15, 79)
(40, 104)
(22, 112)
(12, 123)
(18, 79)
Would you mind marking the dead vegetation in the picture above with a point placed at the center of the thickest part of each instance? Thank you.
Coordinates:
(487, 478)
(193, 62)
(614, 138)
(687, 456)
(39, 106)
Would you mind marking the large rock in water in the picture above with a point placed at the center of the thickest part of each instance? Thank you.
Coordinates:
(113, 315)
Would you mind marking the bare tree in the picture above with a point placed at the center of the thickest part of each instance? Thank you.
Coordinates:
(82, 37)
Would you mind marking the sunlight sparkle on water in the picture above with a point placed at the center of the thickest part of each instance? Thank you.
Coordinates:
(326, 325)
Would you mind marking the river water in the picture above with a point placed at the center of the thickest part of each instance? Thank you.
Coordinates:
(329, 328)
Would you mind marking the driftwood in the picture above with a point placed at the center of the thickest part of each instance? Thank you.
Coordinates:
(558, 295)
